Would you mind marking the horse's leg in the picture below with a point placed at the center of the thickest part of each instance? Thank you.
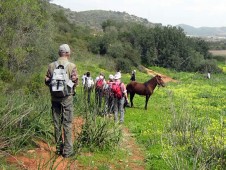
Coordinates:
(146, 102)
(131, 98)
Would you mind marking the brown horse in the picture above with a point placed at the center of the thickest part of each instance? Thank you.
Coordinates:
(145, 89)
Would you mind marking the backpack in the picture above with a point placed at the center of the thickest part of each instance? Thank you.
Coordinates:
(99, 83)
(88, 82)
(116, 90)
(61, 85)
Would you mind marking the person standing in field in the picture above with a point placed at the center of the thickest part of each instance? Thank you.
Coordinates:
(208, 75)
(62, 78)
(133, 75)
(120, 95)
(88, 86)
(109, 96)
(99, 84)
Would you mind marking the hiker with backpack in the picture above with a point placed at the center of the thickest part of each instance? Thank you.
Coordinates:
(62, 78)
(120, 95)
(83, 79)
(109, 96)
(99, 84)
(88, 86)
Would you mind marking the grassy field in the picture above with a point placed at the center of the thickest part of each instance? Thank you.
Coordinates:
(218, 52)
(184, 126)
(220, 56)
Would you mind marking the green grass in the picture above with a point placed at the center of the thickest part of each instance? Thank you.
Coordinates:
(193, 106)
(105, 159)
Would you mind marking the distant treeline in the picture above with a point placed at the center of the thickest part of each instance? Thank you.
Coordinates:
(133, 44)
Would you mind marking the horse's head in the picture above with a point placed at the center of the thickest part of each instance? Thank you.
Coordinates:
(159, 81)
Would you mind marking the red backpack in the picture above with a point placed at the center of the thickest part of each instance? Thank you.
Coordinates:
(100, 83)
(116, 90)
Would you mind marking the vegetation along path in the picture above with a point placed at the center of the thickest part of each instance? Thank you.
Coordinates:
(43, 157)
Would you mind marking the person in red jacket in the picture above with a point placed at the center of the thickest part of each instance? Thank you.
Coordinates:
(119, 102)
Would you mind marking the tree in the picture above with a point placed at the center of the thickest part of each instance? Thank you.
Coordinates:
(26, 34)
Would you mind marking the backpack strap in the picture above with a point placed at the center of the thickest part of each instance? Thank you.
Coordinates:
(66, 64)
(56, 64)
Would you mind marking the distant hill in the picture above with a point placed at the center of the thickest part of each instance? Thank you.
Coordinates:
(204, 31)
(94, 18)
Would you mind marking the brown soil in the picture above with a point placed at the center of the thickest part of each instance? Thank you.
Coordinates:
(164, 77)
(44, 158)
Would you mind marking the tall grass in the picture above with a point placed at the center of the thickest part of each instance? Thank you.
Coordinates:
(22, 117)
(193, 142)
(98, 133)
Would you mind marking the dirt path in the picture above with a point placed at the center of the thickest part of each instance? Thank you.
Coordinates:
(136, 158)
(44, 158)
(164, 77)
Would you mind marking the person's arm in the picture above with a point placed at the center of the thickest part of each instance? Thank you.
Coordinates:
(74, 76)
(125, 92)
(48, 77)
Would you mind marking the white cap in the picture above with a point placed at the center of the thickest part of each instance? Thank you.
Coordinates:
(111, 77)
(117, 76)
(64, 48)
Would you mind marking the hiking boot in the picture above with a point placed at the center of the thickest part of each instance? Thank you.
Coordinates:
(59, 149)
(69, 155)
(59, 152)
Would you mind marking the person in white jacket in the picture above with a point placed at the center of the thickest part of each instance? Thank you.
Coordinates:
(88, 86)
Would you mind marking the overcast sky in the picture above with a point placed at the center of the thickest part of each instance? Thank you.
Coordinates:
(197, 13)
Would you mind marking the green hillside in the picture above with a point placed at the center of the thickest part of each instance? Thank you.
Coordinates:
(95, 18)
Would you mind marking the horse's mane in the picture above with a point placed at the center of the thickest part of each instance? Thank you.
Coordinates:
(151, 80)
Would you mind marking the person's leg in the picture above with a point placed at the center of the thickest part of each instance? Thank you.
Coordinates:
(67, 126)
(57, 121)
(116, 110)
(111, 105)
(100, 98)
(121, 109)
(89, 94)
(84, 94)
(96, 97)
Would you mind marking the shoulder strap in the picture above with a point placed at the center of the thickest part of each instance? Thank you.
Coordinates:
(66, 64)
(56, 64)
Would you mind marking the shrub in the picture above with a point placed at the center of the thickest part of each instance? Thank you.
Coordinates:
(124, 65)
(6, 75)
(209, 66)
(98, 133)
